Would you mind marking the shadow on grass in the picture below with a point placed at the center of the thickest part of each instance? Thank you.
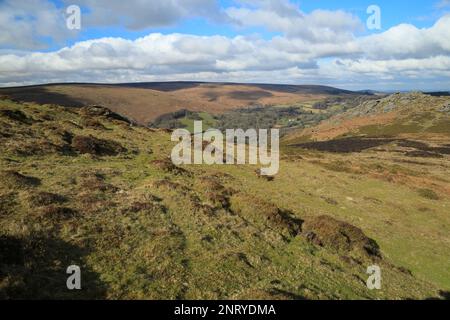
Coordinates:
(443, 295)
(40, 95)
(35, 268)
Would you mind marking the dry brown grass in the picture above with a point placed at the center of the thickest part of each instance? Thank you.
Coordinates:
(341, 236)
(13, 179)
(95, 146)
(144, 105)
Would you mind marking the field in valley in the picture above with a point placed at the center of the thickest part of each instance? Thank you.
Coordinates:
(366, 183)
(143, 103)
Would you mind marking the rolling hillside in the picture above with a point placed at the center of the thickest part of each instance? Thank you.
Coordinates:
(144, 102)
(81, 186)
(408, 114)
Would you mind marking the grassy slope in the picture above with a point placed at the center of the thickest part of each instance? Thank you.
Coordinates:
(140, 229)
(419, 118)
(144, 104)
(413, 113)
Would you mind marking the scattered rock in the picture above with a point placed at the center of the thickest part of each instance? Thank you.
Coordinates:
(390, 107)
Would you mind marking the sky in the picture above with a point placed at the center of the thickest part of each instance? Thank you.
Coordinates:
(350, 44)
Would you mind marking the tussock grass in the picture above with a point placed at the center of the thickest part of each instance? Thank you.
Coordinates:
(142, 228)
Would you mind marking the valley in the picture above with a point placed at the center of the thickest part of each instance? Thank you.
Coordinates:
(363, 180)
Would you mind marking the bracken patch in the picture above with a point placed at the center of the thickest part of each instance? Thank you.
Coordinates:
(149, 207)
(15, 115)
(166, 165)
(428, 194)
(13, 179)
(46, 198)
(95, 146)
(92, 123)
(56, 213)
(95, 182)
(328, 232)
(97, 111)
(282, 221)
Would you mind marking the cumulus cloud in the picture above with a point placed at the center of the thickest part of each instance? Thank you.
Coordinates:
(406, 41)
(37, 24)
(159, 54)
(287, 18)
(141, 14)
(318, 47)
(30, 24)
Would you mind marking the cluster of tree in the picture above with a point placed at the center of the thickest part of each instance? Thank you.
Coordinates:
(172, 120)
(265, 117)
(256, 117)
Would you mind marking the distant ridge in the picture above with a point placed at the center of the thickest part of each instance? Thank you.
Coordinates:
(168, 86)
(292, 88)
(439, 93)
(145, 101)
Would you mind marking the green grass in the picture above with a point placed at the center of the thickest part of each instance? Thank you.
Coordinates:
(428, 194)
(391, 129)
(207, 119)
(141, 232)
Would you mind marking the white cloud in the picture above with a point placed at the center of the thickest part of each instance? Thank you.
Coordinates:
(406, 41)
(433, 65)
(319, 47)
(28, 24)
(157, 53)
(443, 4)
(32, 24)
(142, 14)
(282, 16)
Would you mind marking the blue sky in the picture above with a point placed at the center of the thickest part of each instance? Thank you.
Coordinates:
(282, 41)
(421, 13)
